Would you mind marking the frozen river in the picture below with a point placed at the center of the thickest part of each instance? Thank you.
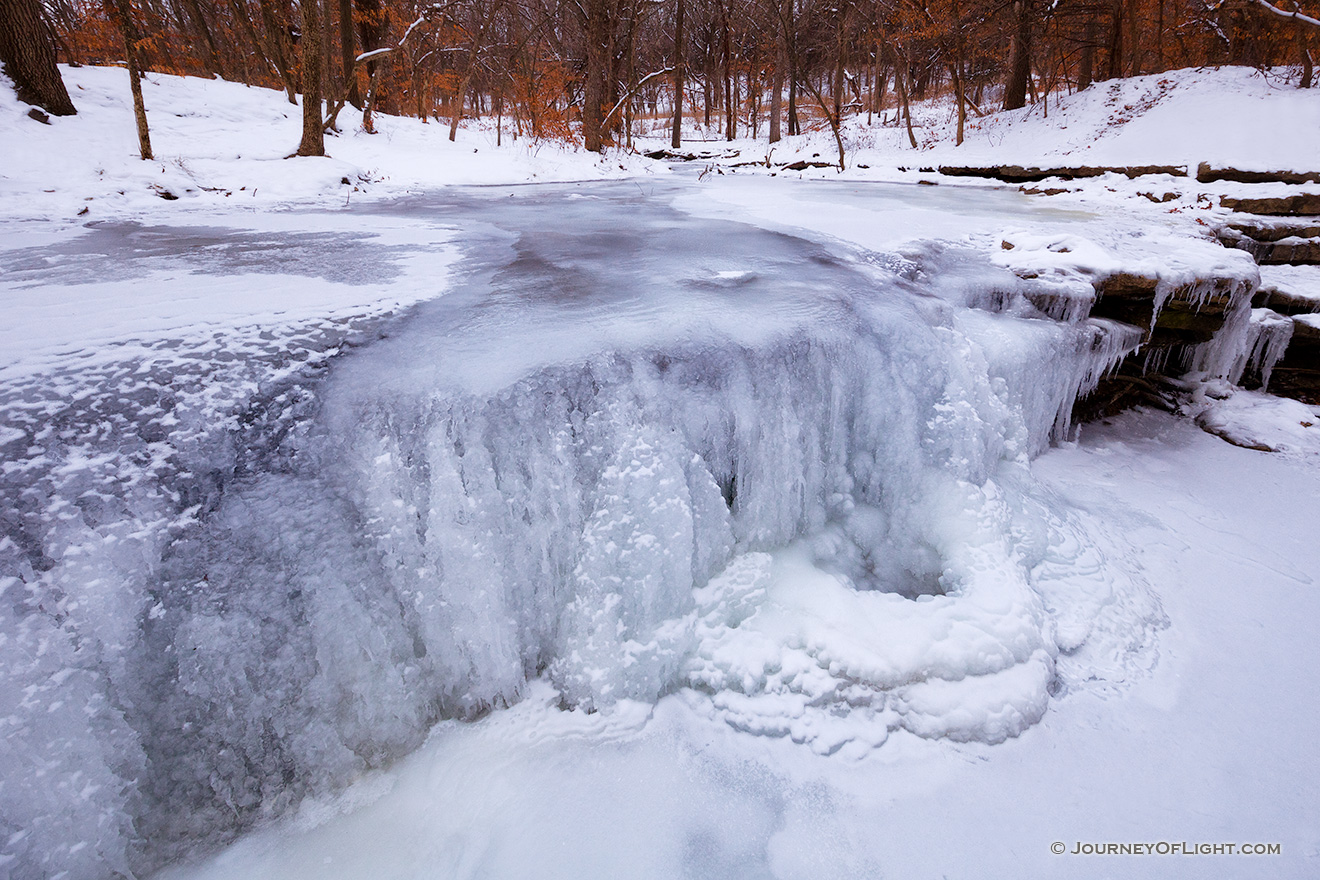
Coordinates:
(641, 529)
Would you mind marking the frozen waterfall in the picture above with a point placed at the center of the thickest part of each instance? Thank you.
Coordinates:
(791, 486)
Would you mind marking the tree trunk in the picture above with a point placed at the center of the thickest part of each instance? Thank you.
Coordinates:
(478, 44)
(1159, 35)
(122, 13)
(872, 74)
(754, 99)
(313, 134)
(705, 104)
(959, 66)
(1019, 63)
(1115, 68)
(730, 99)
(347, 53)
(794, 123)
(676, 137)
(594, 93)
(371, 31)
(330, 84)
(373, 24)
(27, 51)
(1086, 61)
(1304, 46)
(903, 80)
(776, 99)
(369, 102)
(826, 106)
(790, 45)
(838, 85)
(629, 98)
(962, 102)
(881, 83)
(339, 77)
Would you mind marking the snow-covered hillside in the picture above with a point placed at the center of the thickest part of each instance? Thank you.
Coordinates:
(219, 140)
(1231, 116)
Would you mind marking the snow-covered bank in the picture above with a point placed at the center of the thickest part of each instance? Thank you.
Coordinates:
(224, 141)
(1232, 116)
(223, 146)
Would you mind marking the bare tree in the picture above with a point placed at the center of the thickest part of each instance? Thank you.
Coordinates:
(596, 29)
(122, 13)
(1019, 63)
(476, 44)
(676, 137)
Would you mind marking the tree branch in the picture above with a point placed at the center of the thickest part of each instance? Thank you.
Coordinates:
(1295, 15)
(632, 92)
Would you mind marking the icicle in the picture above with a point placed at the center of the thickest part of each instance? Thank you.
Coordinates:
(1217, 358)
(1267, 340)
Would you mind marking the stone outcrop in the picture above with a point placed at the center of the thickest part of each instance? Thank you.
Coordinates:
(1206, 173)
(1297, 374)
(1187, 316)
(1284, 301)
(1280, 230)
(1271, 229)
(1295, 205)
(1173, 321)
(1031, 174)
(1272, 242)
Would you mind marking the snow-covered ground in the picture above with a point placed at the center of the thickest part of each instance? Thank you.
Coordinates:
(1230, 116)
(224, 146)
(224, 142)
(294, 467)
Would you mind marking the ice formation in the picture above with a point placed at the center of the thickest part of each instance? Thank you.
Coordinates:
(1267, 341)
(815, 520)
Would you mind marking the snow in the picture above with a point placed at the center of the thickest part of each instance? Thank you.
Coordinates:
(1230, 116)
(1258, 421)
(730, 526)
(223, 145)
(1298, 283)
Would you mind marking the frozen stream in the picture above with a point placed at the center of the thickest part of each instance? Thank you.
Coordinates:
(693, 515)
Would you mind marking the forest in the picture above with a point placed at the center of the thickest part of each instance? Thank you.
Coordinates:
(598, 70)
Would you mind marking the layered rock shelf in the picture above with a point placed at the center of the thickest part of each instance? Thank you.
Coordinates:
(1031, 174)
(1297, 374)
(1276, 241)
(1291, 205)
(1281, 231)
(1206, 173)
